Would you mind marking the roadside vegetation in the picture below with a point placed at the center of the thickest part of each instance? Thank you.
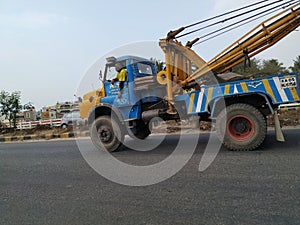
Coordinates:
(259, 68)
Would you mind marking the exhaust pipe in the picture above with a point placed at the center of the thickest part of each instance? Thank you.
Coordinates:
(150, 114)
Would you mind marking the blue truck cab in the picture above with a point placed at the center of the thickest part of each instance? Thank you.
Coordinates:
(139, 87)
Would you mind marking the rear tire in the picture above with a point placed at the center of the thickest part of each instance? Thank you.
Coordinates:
(106, 134)
(241, 127)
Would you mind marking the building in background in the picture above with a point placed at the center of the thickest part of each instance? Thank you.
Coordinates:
(28, 114)
(58, 110)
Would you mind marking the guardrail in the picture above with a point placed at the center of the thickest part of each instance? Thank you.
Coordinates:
(33, 124)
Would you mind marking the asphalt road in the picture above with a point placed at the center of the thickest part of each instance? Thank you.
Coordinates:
(50, 183)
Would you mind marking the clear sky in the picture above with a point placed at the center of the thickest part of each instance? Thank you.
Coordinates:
(46, 47)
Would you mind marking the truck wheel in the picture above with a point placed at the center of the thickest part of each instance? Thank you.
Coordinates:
(106, 134)
(142, 131)
(243, 128)
(64, 126)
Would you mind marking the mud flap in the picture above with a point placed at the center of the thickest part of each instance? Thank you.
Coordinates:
(278, 131)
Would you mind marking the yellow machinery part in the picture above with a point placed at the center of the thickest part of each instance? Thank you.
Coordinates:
(162, 78)
(90, 100)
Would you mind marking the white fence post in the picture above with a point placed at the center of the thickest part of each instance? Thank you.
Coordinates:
(33, 124)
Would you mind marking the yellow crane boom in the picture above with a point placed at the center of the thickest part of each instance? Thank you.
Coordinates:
(180, 60)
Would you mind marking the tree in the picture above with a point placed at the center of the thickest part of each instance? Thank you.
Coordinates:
(252, 70)
(10, 106)
(296, 67)
(28, 106)
(273, 66)
(159, 64)
(260, 68)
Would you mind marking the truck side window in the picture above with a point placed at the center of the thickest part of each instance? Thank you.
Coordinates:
(144, 69)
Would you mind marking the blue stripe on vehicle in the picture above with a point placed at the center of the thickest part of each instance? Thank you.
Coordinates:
(275, 90)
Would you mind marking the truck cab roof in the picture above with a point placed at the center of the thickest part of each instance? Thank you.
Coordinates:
(112, 60)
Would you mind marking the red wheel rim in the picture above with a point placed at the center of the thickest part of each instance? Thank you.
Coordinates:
(240, 127)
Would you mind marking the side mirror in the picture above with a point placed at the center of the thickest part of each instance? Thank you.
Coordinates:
(100, 75)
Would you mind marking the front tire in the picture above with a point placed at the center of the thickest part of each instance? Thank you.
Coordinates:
(241, 127)
(106, 134)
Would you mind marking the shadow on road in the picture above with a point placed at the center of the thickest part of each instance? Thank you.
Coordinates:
(170, 142)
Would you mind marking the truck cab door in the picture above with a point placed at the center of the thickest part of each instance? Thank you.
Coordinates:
(112, 91)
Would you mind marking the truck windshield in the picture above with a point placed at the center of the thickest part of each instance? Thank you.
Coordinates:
(111, 73)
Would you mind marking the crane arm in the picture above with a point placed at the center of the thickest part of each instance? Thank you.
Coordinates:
(181, 60)
(257, 40)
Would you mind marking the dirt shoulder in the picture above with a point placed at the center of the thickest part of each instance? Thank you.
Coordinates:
(288, 118)
(39, 130)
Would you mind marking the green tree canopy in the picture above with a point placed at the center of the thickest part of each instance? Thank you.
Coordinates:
(273, 66)
(10, 106)
(260, 68)
(248, 70)
(158, 63)
(28, 106)
(296, 67)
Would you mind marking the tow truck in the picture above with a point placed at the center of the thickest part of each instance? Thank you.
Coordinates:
(190, 87)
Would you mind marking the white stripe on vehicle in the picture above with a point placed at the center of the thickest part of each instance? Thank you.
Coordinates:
(280, 89)
(200, 99)
(235, 91)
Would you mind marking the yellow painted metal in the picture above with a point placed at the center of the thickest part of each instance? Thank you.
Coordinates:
(90, 100)
(244, 87)
(191, 105)
(162, 78)
(294, 94)
(227, 89)
(269, 89)
(209, 95)
(185, 66)
(169, 74)
(179, 60)
(258, 39)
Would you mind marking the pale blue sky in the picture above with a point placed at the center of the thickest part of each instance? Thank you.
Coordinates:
(48, 46)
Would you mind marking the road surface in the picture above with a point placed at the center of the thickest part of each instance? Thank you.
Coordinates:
(50, 183)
